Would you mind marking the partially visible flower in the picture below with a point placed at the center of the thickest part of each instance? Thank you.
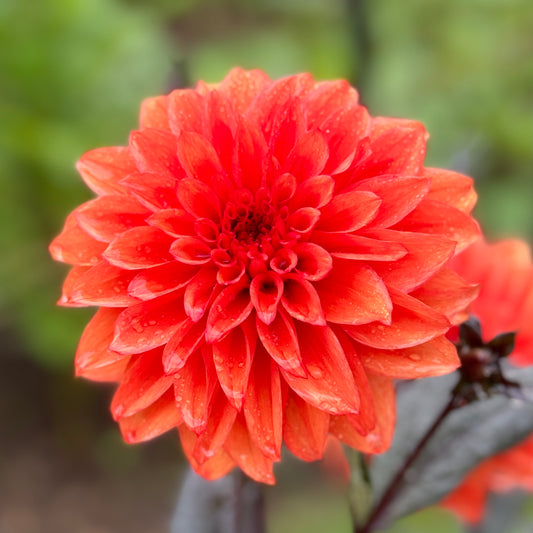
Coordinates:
(267, 258)
(506, 471)
(505, 304)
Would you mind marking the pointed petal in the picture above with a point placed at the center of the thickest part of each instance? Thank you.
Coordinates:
(314, 192)
(426, 255)
(154, 191)
(186, 111)
(379, 439)
(397, 146)
(174, 222)
(247, 455)
(152, 421)
(103, 284)
(265, 293)
(449, 294)
(435, 217)
(412, 323)
(107, 216)
(451, 188)
(112, 372)
(160, 280)
(74, 246)
(140, 247)
(219, 424)
(301, 300)
(154, 113)
(349, 211)
(103, 168)
(155, 151)
(233, 357)
(143, 383)
(354, 294)
(281, 342)
(242, 87)
(198, 199)
(67, 292)
(329, 385)
(93, 348)
(199, 292)
(191, 251)
(148, 324)
(308, 157)
(326, 97)
(194, 386)
(359, 248)
(399, 196)
(213, 468)
(229, 309)
(433, 358)
(263, 405)
(304, 428)
(185, 340)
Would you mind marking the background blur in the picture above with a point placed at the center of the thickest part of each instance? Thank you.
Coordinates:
(72, 75)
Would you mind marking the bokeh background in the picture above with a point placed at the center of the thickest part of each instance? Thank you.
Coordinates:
(72, 75)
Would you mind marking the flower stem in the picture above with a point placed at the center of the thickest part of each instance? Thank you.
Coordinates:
(388, 497)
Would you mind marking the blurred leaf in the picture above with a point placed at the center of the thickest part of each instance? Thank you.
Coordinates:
(466, 436)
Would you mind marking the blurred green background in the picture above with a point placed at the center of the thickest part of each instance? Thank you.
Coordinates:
(72, 75)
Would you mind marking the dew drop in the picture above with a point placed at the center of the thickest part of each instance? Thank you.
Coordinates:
(315, 371)
(414, 357)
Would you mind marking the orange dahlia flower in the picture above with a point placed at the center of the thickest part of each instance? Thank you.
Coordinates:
(266, 258)
(505, 304)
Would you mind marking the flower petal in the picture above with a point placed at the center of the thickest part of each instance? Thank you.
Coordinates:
(301, 300)
(191, 251)
(281, 342)
(263, 406)
(174, 222)
(154, 113)
(304, 428)
(155, 151)
(314, 192)
(433, 358)
(143, 383)
(148, 324)
(103, 168)
(229, 309)
(233, 357)
(152, 421)
(451, 188)
(308, 156)
(198, 199)
(349, 211)
(140, 247)
(354, 294)
(154, 191)
(199, 292)
(159, 280)
(183, 343)
(265, 293)
(313, 263)
(329, 385)
(185, 111)
(242, 87)
(412, 323)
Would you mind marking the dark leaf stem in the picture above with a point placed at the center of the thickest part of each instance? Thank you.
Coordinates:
(396, 483)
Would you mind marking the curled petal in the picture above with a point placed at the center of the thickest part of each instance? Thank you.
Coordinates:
(174, 222)
(301, 300)
(140, 247)
(313, 262)
(265, 293)
(199, 292)
(303, 220)
(229, 309)
(314, 192)
(191, 251)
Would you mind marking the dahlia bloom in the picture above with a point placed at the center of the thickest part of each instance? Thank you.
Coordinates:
(505, 304)
(266, 258)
